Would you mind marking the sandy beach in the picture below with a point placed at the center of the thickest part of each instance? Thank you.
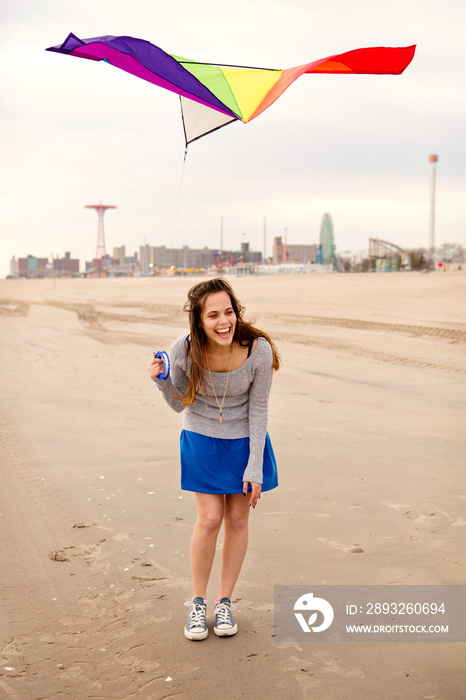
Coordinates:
(367, 419)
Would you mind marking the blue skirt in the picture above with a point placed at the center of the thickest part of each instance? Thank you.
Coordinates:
(215, 465)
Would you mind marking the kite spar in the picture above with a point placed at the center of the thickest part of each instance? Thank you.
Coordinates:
(213, 95)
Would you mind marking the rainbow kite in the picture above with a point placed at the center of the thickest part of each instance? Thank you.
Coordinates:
(213, 95)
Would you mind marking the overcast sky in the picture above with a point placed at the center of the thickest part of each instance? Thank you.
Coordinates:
(76, 132)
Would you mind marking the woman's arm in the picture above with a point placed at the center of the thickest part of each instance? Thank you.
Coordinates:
(177, 383)
(258, 412)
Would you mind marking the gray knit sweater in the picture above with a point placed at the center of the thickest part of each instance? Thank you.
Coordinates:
(245, 408)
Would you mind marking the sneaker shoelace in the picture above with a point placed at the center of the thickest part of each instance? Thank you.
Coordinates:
(223, 613)
(197, 616)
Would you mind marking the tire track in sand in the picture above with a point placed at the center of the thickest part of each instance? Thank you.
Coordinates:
(66, 631)
(368, 352)
(454, 335)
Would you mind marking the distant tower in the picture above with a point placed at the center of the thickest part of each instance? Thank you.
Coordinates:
(326, 243)
(432, 160)
(101, 253)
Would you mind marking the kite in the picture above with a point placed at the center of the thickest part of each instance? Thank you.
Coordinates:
(213, 95)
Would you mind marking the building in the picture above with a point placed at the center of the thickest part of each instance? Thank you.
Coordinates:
(186, 258)
(119, 257)
(66, 265)
(144, 259)
(295, 253)
(122, 264)
(248, 256)
(32, 266)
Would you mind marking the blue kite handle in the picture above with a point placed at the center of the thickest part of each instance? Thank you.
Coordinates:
(162, 355)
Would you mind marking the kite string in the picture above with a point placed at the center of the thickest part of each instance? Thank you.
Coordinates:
(175, 223)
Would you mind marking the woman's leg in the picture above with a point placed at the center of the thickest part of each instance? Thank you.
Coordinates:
(210, 510)
(235, 541)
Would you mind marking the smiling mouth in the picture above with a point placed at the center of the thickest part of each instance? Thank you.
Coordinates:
(223, 332)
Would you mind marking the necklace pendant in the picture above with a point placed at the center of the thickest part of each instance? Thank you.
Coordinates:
(220, 405)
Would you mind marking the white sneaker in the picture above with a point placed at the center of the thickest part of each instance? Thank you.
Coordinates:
(196, 626)
(225, 624)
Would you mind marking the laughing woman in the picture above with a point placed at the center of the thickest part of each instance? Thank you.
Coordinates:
(220, 375)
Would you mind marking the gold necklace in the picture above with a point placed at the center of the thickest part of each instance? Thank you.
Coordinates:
(220, 406)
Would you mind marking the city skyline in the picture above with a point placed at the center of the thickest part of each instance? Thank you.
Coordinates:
(102, 253)
(163, 257)
(358, 146)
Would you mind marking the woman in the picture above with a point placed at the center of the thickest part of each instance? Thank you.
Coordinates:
(220, 376)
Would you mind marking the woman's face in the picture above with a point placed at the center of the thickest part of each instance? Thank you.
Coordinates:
(218, 319)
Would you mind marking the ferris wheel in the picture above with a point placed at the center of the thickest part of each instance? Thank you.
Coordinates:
(326, 241)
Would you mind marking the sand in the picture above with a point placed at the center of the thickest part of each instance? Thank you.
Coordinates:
(367, 421)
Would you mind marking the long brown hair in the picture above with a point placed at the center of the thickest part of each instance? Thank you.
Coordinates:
(244, 333)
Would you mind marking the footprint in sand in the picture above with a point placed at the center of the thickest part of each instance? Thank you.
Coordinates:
(397, 506)
(336, 544)
(333, 666)
(58, 555)
(86, 523)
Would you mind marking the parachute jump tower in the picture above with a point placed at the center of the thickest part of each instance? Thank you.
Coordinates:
(101, 253)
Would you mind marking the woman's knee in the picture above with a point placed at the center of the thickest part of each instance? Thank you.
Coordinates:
(210, 508)
(236, 519)
(210, 521)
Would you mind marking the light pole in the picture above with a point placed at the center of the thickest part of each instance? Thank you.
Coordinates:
(433, 161)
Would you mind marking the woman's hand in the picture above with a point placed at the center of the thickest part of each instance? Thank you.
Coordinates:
(255, 493)
(156, 367)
